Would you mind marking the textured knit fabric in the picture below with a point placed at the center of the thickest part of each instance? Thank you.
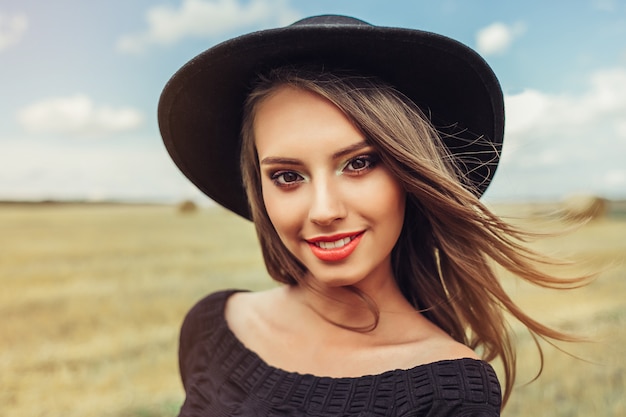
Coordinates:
(223, 378)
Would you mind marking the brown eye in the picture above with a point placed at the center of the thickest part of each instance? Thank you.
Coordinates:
(286, 178)
(361, 164)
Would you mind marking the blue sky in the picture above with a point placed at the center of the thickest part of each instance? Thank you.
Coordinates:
(80, 81)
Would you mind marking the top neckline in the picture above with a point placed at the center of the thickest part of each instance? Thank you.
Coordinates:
(254, 357)
(223, 377)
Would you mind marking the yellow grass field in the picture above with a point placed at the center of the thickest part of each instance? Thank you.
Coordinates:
(92, 297)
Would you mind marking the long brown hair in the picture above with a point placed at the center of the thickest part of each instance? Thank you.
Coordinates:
(443, 260)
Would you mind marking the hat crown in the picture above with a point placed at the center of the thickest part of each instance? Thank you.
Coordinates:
(200, 107)
(330, 20)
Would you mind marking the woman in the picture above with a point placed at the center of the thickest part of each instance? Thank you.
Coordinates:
(360, 153)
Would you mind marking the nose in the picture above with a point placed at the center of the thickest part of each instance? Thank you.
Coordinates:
(327, 204)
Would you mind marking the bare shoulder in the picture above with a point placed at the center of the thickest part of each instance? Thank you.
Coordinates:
(246, 312)
(424, 342)
(455, 350)
(441, 346)
(242, 303)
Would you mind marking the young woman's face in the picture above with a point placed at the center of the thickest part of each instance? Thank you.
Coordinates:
(334, 205)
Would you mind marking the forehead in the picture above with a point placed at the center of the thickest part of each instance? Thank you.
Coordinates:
(291, 117)
(287, 102)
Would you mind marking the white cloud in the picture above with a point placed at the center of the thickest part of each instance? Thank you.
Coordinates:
(601, 109)
(563, 143)
(12, 28)
(604, 5)
(205, 18)
(616, 177)
(498, 37)
(77, 114)
(621, 128)
(118, 169)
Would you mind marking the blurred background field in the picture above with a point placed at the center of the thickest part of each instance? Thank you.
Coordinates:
(92, 297)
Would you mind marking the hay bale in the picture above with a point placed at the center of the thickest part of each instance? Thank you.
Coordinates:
(583, 207)
(187, 207)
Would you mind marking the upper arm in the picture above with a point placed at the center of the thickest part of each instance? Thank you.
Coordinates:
(197, 327)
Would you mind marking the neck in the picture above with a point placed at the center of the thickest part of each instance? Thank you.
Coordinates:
(361, 308)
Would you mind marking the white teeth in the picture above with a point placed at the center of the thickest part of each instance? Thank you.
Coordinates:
(336, 244)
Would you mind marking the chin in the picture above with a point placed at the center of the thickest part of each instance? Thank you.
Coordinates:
(335, 280)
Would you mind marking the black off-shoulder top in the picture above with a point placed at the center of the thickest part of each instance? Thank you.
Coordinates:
(222, 377)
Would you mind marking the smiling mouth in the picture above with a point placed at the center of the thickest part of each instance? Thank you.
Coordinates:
(334, 248)
(336, 244)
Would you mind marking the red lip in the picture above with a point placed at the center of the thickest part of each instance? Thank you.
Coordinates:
(335, 254)
(332, 238)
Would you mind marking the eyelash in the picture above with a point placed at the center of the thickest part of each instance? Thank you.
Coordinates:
(278, 175)
(370, 161)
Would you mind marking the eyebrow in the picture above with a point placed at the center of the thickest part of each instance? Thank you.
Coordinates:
(272, 160)
(350, 149)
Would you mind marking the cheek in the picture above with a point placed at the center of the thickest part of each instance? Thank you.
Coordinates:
(395, 207)
(272, 206)
(282, 211)
(388, 199)
(389, 209)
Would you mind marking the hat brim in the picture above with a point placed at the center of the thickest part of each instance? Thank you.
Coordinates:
(200, 108)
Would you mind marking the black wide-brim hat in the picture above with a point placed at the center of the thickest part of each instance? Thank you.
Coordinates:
(200, 109)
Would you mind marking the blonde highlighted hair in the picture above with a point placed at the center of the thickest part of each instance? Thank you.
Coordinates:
(443, 260)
